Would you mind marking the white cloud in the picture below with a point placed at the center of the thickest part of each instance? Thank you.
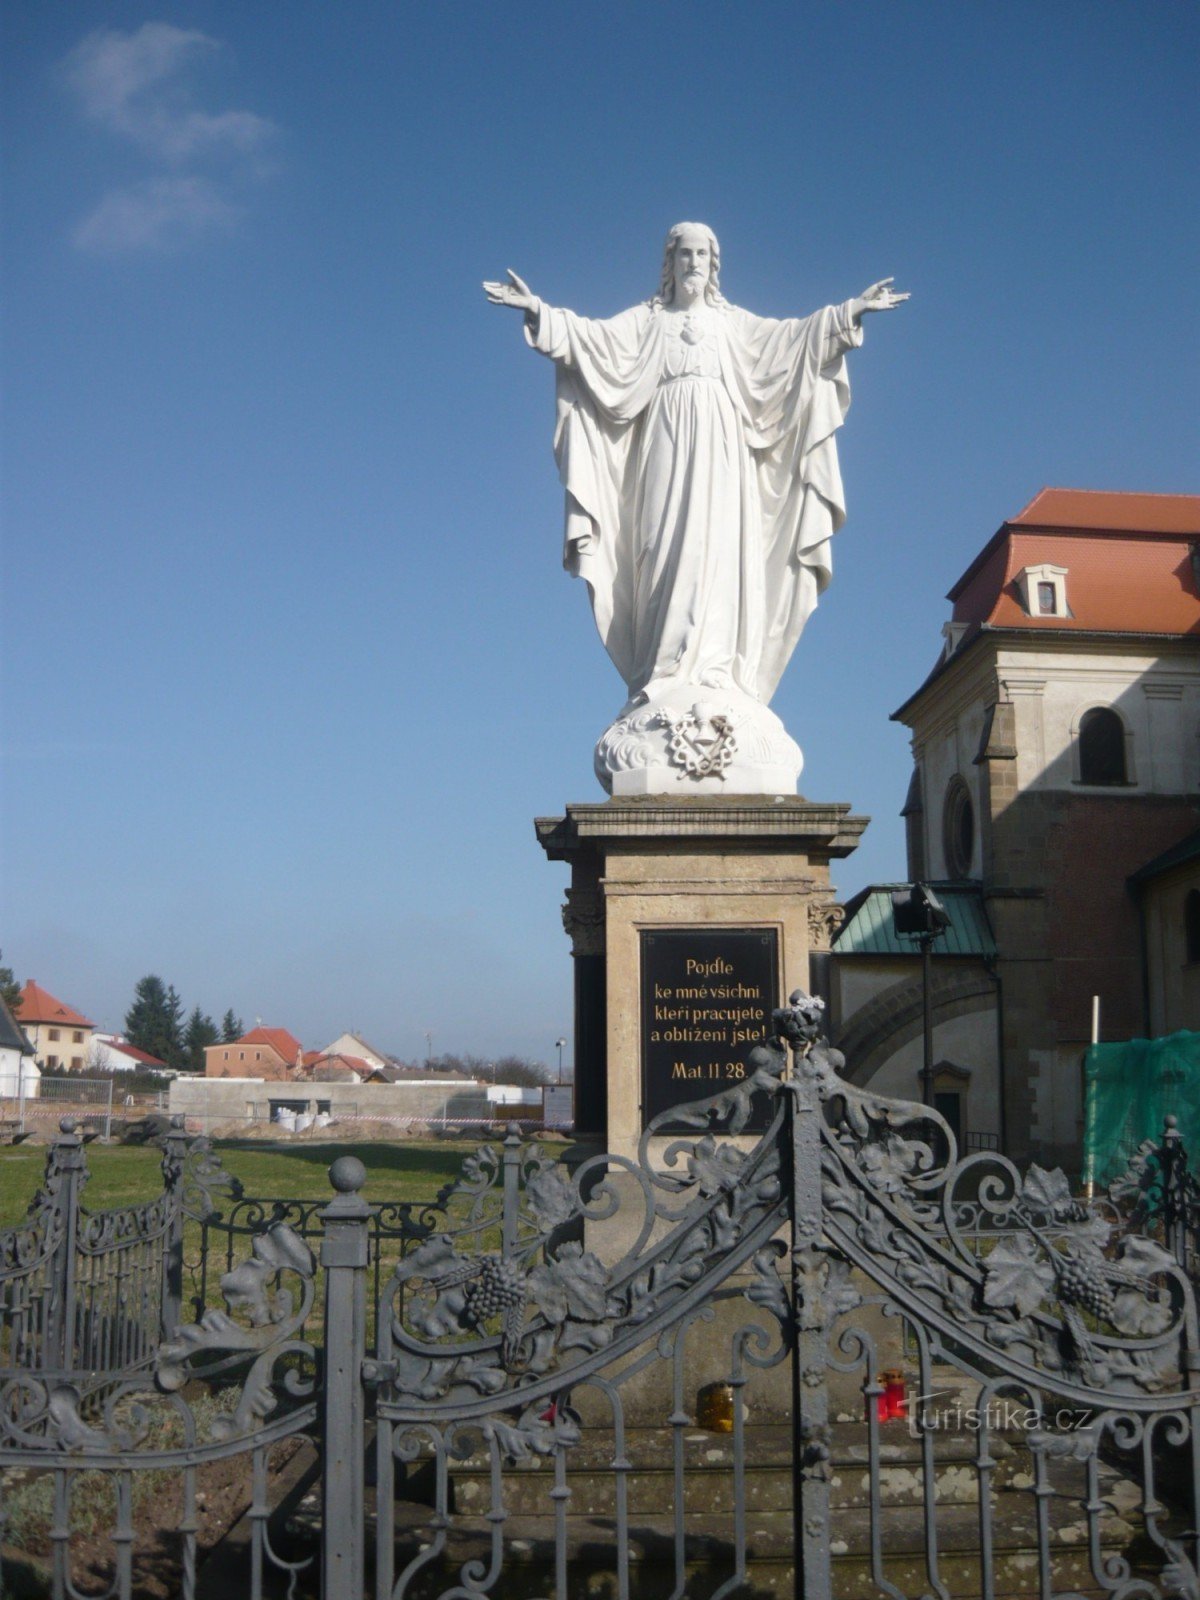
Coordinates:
(109, 70)
(159, 214)
(139, 87)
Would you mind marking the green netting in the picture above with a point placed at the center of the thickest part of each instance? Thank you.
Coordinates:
(1130, 1089)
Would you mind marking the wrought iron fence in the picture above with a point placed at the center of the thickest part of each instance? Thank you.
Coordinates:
(1159, 1188)
(667, 1374)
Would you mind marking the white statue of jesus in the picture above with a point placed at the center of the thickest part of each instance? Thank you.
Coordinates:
(696, 445)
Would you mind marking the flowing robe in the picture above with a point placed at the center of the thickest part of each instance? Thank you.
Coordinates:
(697, 453)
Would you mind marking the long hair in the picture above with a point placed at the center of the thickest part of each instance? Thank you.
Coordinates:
(666, 288)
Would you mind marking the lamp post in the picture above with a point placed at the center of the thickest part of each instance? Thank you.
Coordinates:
(918, 914)
(559, 1044)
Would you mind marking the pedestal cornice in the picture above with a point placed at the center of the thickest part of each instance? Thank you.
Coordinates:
(779, 822)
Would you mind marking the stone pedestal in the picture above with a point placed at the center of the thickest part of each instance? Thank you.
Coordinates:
(642, 865)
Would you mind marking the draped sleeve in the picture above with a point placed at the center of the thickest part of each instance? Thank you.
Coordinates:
(605, 374)
(789, 379)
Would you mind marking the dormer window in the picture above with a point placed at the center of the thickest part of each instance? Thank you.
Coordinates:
(1044, 590)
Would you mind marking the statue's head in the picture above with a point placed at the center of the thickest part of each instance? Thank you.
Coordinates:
(697, 234)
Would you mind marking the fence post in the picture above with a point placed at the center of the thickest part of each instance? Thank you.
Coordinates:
(175, 1145)
(512, 1190)
(66, 1173)
(810, 1390)
(345, 1249)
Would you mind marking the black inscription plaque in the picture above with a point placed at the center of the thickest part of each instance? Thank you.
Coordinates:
(707, 998)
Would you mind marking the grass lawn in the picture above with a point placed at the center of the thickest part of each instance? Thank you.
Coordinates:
(123, 1174)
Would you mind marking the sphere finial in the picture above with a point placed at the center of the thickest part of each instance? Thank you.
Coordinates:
(347, 1174)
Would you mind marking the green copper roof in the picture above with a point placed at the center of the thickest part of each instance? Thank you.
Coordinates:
(868, 929)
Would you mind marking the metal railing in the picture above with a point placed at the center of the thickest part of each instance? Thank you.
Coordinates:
(89, 1100)
(532, 1310)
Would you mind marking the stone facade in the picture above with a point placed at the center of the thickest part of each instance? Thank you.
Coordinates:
(710, 862)
(1008, 794)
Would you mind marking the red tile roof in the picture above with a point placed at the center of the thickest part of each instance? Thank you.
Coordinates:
(38, 1005)
(1132, 567)
(354, 1064)
(285, 1044)
(1111, 512)
(127, 1049)
(1128, 559)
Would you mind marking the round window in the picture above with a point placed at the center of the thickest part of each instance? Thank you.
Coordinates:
(958, 828)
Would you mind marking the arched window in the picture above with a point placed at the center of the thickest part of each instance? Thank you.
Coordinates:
(1101, 747)
(1191, 925)
(958, 828)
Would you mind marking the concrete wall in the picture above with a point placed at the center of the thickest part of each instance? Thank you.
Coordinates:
(234, 1099)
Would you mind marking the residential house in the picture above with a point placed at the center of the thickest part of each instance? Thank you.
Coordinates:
(19, 1075)
(110, 1052)
(353, 1044)
(336, 1067)
(60, 1035)
(272, 1053)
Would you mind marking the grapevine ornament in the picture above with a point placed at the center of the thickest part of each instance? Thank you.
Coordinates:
(1088, 1290)
(497, 1290)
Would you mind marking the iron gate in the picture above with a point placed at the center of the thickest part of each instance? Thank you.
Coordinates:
(679, 1374)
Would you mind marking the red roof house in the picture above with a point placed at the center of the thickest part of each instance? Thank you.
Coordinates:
(271, 1053)
(285, 1044)
(59, 1034)
(39, 1005)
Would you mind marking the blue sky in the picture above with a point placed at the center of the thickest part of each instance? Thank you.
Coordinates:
(290, 663)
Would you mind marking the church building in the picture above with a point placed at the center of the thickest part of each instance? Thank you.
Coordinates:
(1055, 799)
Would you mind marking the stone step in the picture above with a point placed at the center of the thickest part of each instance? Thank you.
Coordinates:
(651, 1492)
(529, 1552)
(709, 1480)
(768, 1445)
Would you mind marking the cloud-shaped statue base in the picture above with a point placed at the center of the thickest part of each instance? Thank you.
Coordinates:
(692, 740)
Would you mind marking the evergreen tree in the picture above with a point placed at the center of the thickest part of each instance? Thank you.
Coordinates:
(232, 1028)
(10, 989)
(154, 1022)
(176, 1050)
(200, 1033)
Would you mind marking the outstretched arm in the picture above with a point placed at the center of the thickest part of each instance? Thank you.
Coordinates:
(879, 297)
(515, 293)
